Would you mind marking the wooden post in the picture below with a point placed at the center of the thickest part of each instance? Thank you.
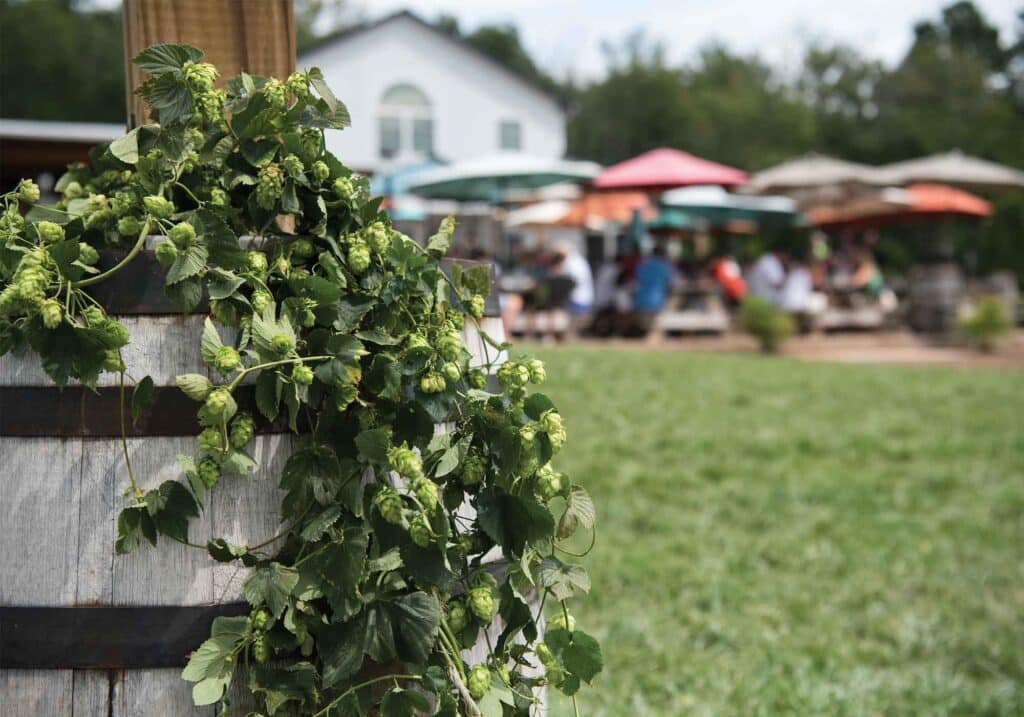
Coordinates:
(254, 36)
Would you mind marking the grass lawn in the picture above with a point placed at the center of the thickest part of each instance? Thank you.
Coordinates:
(783, 538)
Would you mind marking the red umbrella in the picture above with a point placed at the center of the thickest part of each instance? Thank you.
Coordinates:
(662, 169)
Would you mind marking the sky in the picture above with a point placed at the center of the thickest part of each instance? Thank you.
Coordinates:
(565, 36)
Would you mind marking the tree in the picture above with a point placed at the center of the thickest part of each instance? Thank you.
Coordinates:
(79, 53)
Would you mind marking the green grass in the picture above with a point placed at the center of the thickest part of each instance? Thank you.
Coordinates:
(783, 538)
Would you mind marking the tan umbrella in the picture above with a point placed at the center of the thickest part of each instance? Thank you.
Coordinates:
(954, 168)
(811, 172)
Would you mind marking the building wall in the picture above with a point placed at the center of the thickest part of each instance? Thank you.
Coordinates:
(469, 95)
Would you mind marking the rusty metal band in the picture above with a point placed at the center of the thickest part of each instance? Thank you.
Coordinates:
(76, 411)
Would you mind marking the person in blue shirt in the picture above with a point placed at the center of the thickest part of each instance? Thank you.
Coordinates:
(655, 277)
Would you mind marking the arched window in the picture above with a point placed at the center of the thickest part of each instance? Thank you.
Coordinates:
(406, 122)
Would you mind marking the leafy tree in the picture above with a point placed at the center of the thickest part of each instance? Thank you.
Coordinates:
(81, 58)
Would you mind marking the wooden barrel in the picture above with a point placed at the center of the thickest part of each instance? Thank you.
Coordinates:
(84, 631)
(934, 295)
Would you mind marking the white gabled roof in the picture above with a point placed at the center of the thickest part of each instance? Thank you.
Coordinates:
(408, 16)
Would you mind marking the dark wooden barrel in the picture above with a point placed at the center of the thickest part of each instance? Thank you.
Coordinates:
(934, 295)
(83, 631)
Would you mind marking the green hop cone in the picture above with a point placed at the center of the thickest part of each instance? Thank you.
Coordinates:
(343, 187)
(298, 84)
(209, 472)
(389, 505)
(227, 360)
(218, 197)
(477, 378)
(558, 622)
(551, 422)
(417, 341)
(217, 401)
(420, 532)
(260, 650)
(269, 186)
(73, 191)
(320, 171)
(473, 470)
(405, 462)
(257, 262)
(261, 620)
(449, 346)
(52, 313)
(27, 191)
(87, 254)
(538, 374)
(281, 344)
(112, 361)
(183, 235)
(293, 166)
(242, 430)
(479, 681)
(475, 306)
(210, 440)
(458, 617)
(158, 206)
(276, 93)
(452, 372)
(481, 602)
(545, 655)
(432, 383)
(129, 226)
(549, 483)
(50, 232)
(99, 219)
(426, 493)
(512, 374)
(200, 76)
(303, 248)
(166, 252)
(302, 374)
(359, 258)
(378, 236)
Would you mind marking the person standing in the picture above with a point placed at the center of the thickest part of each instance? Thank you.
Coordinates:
(767, 277)
(655, 277)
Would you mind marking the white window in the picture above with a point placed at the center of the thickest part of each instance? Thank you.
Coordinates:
(405, 123)
(510, 135)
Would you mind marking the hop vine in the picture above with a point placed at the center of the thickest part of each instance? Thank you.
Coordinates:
(349, 334)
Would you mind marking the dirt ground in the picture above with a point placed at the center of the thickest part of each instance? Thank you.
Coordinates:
(888, 347)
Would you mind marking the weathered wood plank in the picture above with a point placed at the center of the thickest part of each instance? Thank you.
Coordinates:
(161, 347)
(34, 693)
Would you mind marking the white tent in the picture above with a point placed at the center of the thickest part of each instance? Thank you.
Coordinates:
(953, 168)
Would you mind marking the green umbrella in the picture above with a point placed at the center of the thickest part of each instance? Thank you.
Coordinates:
(490, 179)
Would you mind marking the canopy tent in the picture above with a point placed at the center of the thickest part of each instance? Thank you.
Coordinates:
(811, 171)
(717, 206)
(661, 169)
(918, 202)
(954, 168)
(490, 179)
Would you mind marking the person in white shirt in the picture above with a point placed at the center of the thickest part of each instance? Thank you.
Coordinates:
(569, 262)
(767, 277)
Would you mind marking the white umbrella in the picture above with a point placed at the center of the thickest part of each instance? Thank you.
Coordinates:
(953, 168)
(811, 171)
(492, 178)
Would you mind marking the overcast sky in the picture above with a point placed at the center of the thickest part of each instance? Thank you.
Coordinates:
(566, 35)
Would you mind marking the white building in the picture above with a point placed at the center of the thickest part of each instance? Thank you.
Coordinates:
(415, 93)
